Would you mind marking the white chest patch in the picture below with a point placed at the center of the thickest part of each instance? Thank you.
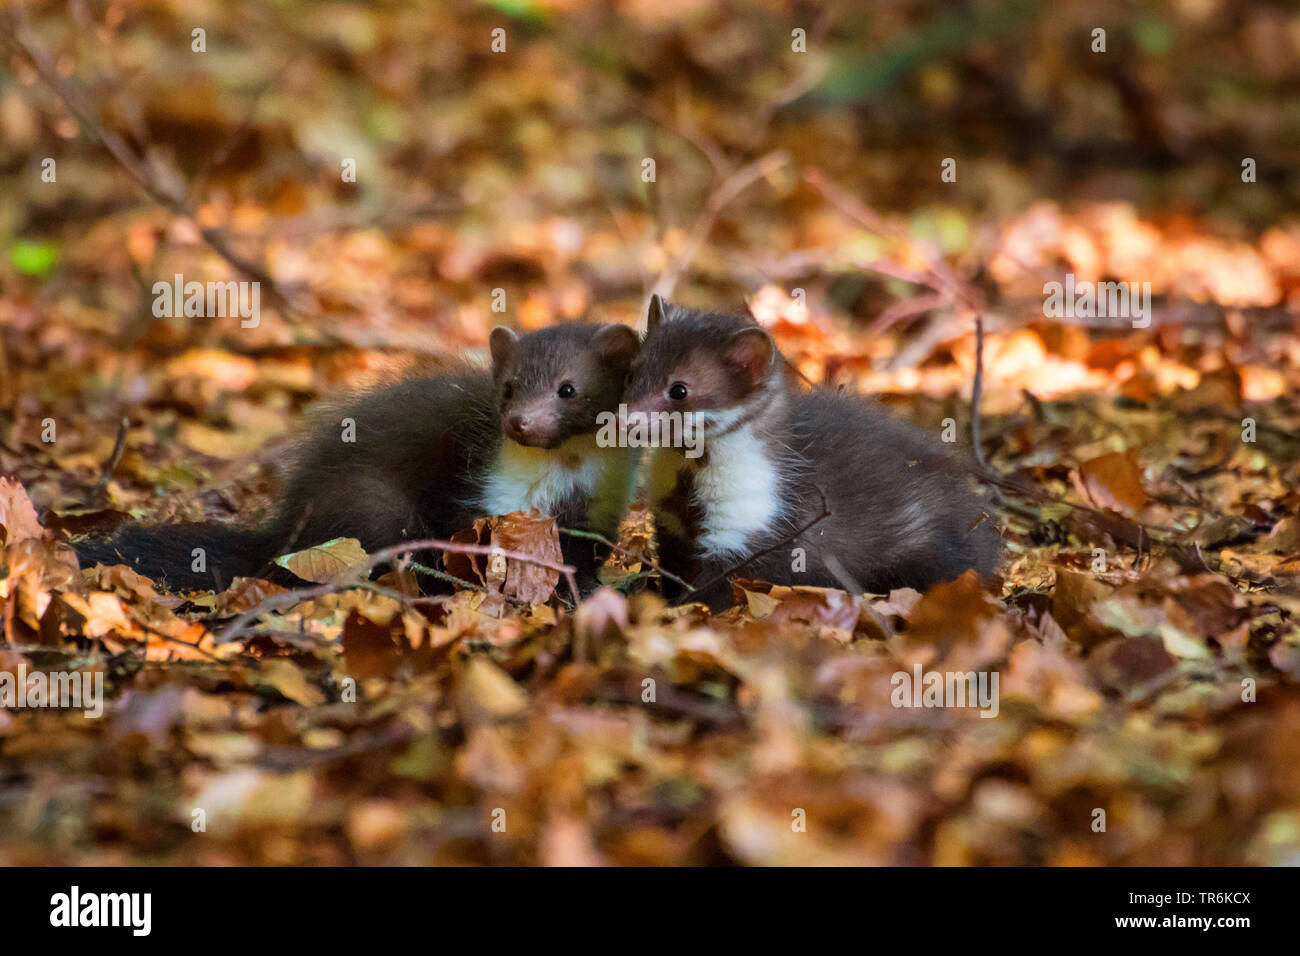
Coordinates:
(522, 478)
(738, 493)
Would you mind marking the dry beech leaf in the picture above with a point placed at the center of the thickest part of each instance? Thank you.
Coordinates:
(368, 647)
(287, 678)
(325, 562)
(1114, 481)
(245, 593)
(600, 617)
(469, 567)
(532, 534)
(525, 532)
(801, 605)
(18, 521)
(488, 693)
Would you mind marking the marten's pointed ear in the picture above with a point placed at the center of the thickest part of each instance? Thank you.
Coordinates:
(749, 354)
(658, 312)
(617, 345)
(502, 342)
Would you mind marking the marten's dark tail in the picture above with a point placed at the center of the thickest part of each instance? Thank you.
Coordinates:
(186, 556)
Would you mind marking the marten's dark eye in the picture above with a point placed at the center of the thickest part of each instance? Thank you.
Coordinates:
(567, 390)
(507, 391)
(677, 392)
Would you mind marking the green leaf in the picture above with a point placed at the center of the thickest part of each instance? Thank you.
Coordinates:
(520, 9)
(34, 258)
(1153, 35)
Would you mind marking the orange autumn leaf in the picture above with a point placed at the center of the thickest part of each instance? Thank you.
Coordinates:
(1114, 481)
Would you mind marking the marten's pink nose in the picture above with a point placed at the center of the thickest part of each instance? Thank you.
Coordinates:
(518, 424)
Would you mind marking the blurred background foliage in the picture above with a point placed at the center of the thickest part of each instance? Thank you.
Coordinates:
(446, 133)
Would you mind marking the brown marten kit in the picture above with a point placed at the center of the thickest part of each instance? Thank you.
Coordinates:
(427, 457)
(901, 514)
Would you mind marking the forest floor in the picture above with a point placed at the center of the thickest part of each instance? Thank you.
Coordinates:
(1145, 630)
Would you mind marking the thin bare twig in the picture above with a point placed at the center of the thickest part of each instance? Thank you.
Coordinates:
(242, 625)
(727, 190)
(977, 392)
(455, 547)
(111, 465)
(905, 309)
(236, 628)
(628, 554)
(947, 288)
